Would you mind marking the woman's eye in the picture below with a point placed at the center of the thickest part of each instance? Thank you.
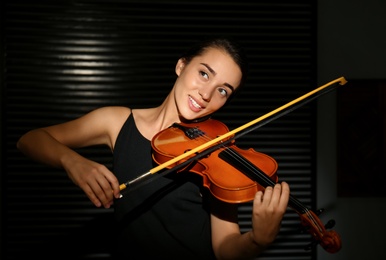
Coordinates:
(223, 92)
(204, 74)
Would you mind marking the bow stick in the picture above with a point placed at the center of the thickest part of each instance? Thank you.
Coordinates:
(218, 142)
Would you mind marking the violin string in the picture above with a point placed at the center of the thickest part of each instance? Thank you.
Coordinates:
(316, 223)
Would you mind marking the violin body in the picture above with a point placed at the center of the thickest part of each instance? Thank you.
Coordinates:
(222, 179)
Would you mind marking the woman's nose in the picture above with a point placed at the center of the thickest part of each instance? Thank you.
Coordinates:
(205, 95)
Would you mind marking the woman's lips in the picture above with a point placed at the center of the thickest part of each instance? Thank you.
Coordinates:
(195, 105)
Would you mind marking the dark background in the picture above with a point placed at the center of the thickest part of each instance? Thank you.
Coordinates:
(351, 43)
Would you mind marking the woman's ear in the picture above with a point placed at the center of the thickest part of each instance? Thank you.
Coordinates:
(180, 66)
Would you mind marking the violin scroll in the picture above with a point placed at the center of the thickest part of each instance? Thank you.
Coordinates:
(328, 239)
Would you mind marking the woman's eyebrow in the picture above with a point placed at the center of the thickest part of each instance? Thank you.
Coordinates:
(209, 68)
(230, 86)
(214, 73)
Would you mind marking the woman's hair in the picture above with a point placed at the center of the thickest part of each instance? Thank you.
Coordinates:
(231, 47)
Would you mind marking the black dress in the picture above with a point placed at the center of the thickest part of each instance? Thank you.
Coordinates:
(167, 218)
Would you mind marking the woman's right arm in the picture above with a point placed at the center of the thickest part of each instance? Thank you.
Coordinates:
(54, 146)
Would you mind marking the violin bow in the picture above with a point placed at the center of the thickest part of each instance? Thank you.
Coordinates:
(216, 143)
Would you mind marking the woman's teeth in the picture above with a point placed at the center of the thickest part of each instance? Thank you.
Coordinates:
(195, 104)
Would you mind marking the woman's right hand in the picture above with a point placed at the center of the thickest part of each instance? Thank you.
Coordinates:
(95, 179)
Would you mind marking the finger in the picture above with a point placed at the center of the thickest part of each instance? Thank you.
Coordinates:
(109, 183)
(276, 194)
(114, 184)
(105, 187)
(285, 194)
(103, 191)
(267, 195)
(91, 196)
(258, 197)
(100, 190)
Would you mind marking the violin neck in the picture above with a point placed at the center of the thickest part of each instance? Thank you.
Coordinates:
(254, 173)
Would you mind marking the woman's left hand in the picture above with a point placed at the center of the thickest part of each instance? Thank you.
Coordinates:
(269, 208)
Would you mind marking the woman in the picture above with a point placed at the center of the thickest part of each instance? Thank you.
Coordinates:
(173, 217)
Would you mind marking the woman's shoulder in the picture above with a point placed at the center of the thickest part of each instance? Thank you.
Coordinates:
(109, 117)
(112, 118)
(115, 115)
(119, 109)
(113, 112)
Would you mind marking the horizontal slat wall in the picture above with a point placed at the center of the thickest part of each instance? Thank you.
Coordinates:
(65, 58)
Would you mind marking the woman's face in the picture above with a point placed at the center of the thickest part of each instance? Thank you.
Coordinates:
(205, 83)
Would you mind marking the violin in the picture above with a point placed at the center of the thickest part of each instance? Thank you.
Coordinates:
(221, 178)
(232, 174)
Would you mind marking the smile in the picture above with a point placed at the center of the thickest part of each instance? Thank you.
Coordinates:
(194, 103)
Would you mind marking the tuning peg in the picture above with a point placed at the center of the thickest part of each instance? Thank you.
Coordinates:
(330, 224)
(319, 211)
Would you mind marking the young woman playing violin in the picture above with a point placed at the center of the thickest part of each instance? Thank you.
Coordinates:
(173, 217)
